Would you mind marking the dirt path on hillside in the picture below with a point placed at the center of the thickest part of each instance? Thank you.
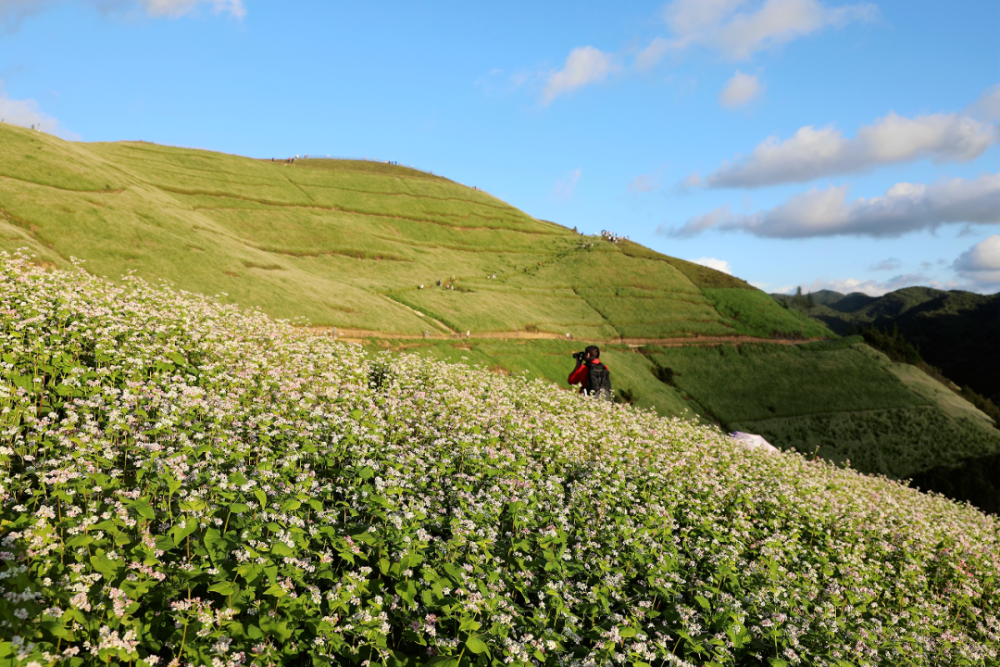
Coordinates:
(357, 335)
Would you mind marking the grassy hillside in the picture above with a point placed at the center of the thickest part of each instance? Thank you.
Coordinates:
(348, 244)
(956, 331)
(183, 483)
(839, 400)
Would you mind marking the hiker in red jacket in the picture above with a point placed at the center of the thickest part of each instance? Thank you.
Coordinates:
(592, 376)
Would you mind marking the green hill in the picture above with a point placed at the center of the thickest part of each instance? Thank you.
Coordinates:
(349, 243)
(956, 331)
(412, 261)
(186, 483)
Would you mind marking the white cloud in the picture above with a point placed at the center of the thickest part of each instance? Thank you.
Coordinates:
(713, 263)
(175, 8)
(980, 264)
(27, 113)
(652, 54)
(715, 24)
(905, 207)
(740, 90)
(987, 107)
(698, 224)
(13, 12)
(691, 181)
(584, 65)
(565, 186)
(814, 153)
(719, 25)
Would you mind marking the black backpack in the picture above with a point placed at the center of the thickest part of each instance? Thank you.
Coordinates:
(599, 380)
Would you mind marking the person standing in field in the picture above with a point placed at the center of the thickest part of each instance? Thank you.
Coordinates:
(593, 377)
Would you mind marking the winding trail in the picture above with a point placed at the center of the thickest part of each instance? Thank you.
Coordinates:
(357, 335)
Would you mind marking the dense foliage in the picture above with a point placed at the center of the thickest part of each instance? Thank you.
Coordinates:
(892, 344)
(184, 483)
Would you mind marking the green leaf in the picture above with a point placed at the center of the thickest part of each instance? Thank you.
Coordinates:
(109, 568)
(144, 510)
(178, 533)
(281, 549)
(80, 540)
(703, 602)
(469, 625)
(192, 505)
(261, 496)
(290, 505)
(253, 632)
(276, 591)
(627, 632)
(224, 588)
(407, 591)
(476, 645)
(239, 508)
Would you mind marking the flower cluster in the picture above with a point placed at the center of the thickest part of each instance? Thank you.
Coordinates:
(186, 483)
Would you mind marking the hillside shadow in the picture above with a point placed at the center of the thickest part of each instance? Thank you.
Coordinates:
(975, 480)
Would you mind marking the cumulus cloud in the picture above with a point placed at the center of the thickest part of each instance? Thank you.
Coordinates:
(698, 224)
(980, 264)
(14, 12)
(652, 54)
(740, 90)
(584, 65)
(905, 207)
(564, 187)
(738, 33)
(987, 107)
(691, 181)
(813, 153)
(27, 113)
(713, 263)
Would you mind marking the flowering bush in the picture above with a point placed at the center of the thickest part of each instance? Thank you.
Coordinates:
(185, 483)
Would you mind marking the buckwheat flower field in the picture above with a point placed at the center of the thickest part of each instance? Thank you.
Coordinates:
(186, 483)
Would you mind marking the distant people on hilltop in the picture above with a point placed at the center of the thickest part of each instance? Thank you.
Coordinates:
(611, 236)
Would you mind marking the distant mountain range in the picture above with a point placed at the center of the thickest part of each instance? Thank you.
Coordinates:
(956, 331)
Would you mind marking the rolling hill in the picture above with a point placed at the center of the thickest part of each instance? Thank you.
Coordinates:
(349, 243)
(956, 331)
(411, 261)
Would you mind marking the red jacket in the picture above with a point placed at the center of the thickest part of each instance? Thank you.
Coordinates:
(579, 376)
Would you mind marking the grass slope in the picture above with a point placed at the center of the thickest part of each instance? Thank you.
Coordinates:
(348, 244)
(839, 400)
(182, 483)
(956, 331)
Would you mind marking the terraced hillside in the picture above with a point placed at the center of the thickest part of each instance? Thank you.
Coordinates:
(349, 243)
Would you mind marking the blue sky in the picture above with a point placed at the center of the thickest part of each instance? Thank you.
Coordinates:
(841, 145)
